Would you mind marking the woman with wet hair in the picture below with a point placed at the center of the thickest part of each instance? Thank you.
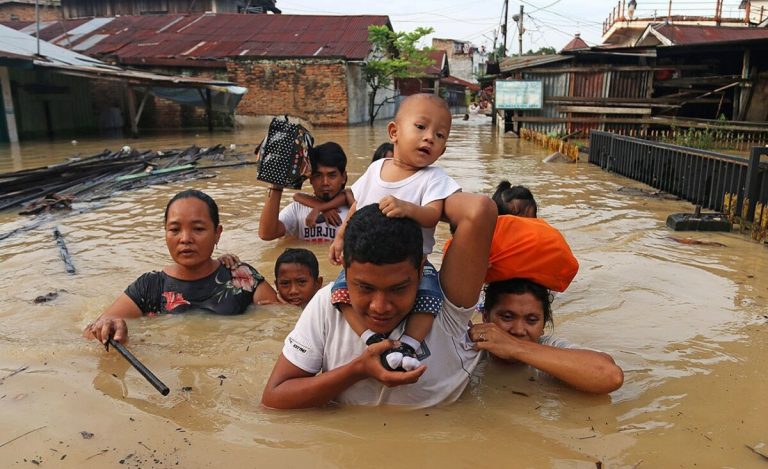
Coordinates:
(514, 200)
(515, 315)
(194, 281)
(385, 150)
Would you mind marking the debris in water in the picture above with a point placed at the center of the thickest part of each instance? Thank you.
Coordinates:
(97, 177)
(759, 448)
(47, 297)
(23, 435)
(13, 373)
(63, 252)
(647, 193)
(696, 242)
(49, 203)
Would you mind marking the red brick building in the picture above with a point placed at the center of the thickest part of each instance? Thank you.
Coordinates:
(307, 66)
(24, 10)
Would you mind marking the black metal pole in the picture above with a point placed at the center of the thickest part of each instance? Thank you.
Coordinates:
(37, 25)
(752, 189)
(148, 375)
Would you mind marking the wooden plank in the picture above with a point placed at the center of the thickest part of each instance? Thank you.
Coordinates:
(143, 174)
(664, 101)
(604, 110)
(689, 82)
(668, 121)
(63, 252)
(605, 68)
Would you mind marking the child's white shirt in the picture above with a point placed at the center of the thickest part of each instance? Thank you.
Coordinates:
(425, 186)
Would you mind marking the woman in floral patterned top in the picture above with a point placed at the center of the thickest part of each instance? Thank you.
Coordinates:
(194, 281)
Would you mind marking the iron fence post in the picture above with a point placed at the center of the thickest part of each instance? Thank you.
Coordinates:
(752, 183)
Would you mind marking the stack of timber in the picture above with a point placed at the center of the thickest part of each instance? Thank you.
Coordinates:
(102, 175)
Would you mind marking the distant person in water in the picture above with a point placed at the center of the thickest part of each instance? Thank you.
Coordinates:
(515, 200)
(385, 150)
(194, 281)
(310, 217)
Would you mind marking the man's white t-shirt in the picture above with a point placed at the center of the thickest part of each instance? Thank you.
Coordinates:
(322, 340)
(425, 186)
(294, 218)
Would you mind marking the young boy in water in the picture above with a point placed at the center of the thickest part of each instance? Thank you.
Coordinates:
(406, 185)
(297, 276)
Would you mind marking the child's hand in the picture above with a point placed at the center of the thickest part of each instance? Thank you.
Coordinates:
(312, 218)
(336, 251)
(394, 207)
(333, 217)
(230, 261)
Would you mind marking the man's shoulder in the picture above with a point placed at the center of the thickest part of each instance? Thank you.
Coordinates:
(455, 318)
(320, 307)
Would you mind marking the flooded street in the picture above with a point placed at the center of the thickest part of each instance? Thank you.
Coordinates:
(688, 324)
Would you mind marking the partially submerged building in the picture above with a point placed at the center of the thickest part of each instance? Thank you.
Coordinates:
(436, 78)
(308, 66)
(52, 91)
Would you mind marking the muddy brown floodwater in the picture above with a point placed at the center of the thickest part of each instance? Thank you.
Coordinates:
(688, 323)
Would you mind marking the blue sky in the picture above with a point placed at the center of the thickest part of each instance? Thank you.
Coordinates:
(547, 22)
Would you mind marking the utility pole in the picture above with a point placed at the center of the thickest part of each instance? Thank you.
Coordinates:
(504, 29)
(520, 30)
(37, 25)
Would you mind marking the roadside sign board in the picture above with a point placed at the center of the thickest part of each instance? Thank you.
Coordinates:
(518, 94)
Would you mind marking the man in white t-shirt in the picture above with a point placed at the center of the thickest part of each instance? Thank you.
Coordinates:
(323, 359)
(329, 175)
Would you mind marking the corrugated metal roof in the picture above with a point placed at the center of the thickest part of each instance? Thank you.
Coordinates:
(451, 80)
(19, 46)
(75, 34)
(43, 3)
(509, 64)
(689, 34)
(23, 45)
(213, 37)
(575, 44)
(438, 58)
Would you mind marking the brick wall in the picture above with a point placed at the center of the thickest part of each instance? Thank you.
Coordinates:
(20, 12)
(313, 89)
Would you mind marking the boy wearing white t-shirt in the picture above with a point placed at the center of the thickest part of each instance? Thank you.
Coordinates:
(406, 186)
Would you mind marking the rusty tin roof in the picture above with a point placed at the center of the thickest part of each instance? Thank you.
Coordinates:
(196, 39)
(681, 35)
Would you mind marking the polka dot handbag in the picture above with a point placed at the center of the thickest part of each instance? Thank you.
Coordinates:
(284, 154)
